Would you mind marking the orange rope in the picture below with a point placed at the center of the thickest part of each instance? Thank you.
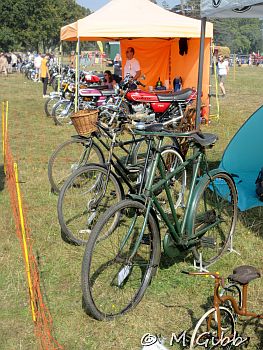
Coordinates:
(40, 313)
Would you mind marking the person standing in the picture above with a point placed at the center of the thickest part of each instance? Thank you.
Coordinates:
(132, 66)
(37, 65)
(117, 65)
(9, 64)
(223, 70)
(44, 73)
(3, 64)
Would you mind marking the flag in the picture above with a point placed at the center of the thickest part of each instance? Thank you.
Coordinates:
(100, 46)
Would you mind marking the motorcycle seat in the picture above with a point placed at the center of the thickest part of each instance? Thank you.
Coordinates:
(108, 92)
(89, 93)
(175, 96)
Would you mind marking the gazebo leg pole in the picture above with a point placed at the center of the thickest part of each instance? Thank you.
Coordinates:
(59, 65)
(77, 77)
(200, 72)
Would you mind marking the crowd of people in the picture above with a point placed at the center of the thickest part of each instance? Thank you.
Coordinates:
(9, 62)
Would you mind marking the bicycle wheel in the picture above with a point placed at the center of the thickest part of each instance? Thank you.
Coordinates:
(140, 150)
(68, 157)
(86, 194)
(172, 159)
(62, 111)
(209, 334)
(114, 278)
(214, 216)
(233, 290)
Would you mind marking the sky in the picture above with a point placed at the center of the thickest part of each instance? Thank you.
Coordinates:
(96, 4)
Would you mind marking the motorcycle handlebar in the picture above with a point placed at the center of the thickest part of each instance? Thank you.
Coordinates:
(137, 82)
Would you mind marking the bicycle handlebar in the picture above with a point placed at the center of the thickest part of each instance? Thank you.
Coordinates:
(211, 274)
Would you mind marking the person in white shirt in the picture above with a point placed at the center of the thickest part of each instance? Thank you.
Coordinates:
(37, 64)
(132, 66)
(14, 61)
(223, 69)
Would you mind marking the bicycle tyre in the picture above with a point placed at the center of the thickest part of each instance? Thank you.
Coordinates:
(140, 150)
(66, 158)
(204, 332)
(208, 207)
(172, 159)
(81, 201)
(120, 288)
(234, 290)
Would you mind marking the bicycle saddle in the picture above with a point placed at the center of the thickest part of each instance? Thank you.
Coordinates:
(204, 139)
(244, 274)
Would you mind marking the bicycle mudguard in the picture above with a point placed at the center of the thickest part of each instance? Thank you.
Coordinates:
(175, 147)
(199, 187)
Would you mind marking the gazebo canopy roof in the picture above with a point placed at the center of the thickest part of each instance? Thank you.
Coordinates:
(133, 19)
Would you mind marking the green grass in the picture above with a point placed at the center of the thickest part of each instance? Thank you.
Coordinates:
(173, 302)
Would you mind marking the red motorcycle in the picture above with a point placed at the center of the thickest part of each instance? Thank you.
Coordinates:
(149, 106)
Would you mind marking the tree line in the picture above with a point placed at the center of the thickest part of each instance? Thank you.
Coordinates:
(241, 35)
(35, 25)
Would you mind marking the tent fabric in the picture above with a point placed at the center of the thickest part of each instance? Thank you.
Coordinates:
(243, 159)
(70, 31)
(154, 33)
(154, 62)
(232, 8)
(133, 19)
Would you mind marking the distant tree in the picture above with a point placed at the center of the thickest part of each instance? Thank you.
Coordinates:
(239, 34)
(154, 1)
(236, 33)
(35, 24)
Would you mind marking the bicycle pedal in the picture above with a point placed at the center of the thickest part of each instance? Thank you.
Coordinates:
(145, 240)
(208, 242)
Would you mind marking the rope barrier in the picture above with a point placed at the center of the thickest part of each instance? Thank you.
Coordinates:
(40, 313)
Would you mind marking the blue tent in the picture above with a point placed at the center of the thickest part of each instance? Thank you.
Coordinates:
(243, 158)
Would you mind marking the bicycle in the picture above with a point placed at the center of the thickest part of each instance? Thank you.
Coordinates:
(92, 188)
(76, 152)
(118, 267)
(218, 324)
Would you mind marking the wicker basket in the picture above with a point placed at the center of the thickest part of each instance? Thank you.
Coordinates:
(85, 121)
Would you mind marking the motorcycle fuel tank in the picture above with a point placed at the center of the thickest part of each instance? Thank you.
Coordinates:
(141, 96)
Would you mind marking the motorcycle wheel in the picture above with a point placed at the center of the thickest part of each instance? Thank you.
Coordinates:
(49, 104)
(55, 84)
(62, 111)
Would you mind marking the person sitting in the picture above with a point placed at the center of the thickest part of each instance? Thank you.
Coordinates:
(108, 80)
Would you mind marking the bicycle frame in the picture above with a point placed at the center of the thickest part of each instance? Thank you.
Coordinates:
(121, 168)
(177, 229)
(221, 300)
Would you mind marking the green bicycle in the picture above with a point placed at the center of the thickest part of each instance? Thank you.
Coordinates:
(118, 267)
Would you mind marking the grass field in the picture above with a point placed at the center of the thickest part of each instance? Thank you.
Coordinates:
(173, 303)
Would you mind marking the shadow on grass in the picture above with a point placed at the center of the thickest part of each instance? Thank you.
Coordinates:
(2, 177)
(253, 220)
(206, 306)
(166, 261)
